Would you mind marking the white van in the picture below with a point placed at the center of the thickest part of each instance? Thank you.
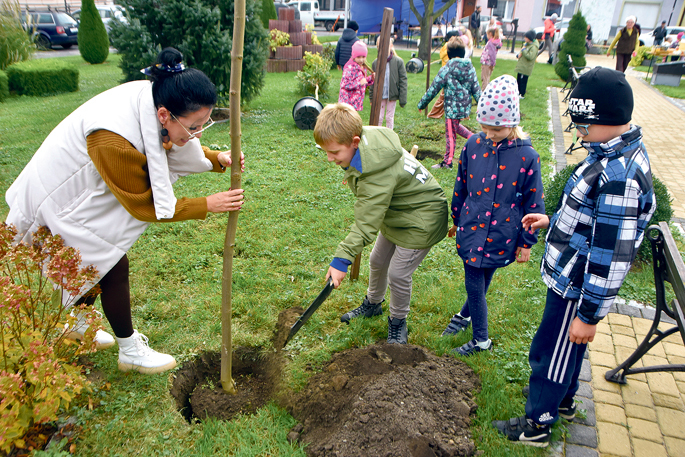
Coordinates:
(307, 9)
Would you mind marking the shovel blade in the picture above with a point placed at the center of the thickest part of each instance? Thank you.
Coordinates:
(323, 295)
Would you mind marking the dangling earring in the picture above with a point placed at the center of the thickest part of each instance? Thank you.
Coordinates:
(166, 141)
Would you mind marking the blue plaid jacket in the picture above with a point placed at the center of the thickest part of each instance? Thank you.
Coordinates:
(599, 223)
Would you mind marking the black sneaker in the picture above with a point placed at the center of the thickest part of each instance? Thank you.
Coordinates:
(397, 330)
(525, 431)
(567, 408)
(366, 309)
(471, 348)
(442, 164)
(457, 324)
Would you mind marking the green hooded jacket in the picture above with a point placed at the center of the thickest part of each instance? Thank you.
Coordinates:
(527, 60)
(395, 194)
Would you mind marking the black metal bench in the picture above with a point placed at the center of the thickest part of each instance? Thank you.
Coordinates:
(668, 73)
(668, 266)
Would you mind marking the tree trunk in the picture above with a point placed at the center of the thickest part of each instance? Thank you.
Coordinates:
(232, 227)
(426, 38)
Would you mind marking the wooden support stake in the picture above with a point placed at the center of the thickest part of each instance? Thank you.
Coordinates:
(383, 47)
(227, 382)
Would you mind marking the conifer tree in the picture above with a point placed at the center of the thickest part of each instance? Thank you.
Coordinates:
(93, 42)
(573, 45)
(268, 12)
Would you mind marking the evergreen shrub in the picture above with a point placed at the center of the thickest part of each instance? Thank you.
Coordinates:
(573, 45)
(15, 44)
(268, 12)
(93, 42)
(202, 31)
(42, 77)
(4, 87)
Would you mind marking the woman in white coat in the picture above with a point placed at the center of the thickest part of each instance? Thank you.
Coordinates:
(106, 172)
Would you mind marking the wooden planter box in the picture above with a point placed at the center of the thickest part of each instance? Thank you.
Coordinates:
(289, 52)
(300, 38)
(313, 48)
(285, 14)
(283, 26)
(294, 26)
(295, 65)
(276, 66)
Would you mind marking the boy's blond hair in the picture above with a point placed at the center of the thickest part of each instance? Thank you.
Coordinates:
(338, 122)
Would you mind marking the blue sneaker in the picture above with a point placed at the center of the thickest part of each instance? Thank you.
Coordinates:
(457, 324)
(525, 431)
(472, 347)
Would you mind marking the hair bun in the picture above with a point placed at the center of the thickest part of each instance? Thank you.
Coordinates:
(169, 62)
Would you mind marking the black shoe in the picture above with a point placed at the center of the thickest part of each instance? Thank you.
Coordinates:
(366, 309)
(525, 431)
(457, 324)
(442, 164)
(397, 330)
(567, 408)
(471, 348)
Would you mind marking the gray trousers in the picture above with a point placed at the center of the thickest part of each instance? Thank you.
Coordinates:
(548, 46)
(393, 265)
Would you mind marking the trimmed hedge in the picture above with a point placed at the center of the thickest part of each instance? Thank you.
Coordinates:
(93, 42)
(4, 87)
(42, 77)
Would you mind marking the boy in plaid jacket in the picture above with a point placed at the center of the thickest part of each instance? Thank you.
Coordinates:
(591, 243)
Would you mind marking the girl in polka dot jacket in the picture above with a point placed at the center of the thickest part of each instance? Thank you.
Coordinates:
(498, 182)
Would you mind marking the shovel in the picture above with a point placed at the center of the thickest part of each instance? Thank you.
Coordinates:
(309, 311)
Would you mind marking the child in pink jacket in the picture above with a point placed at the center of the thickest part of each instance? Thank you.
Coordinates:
(354, 80)
(489, 56)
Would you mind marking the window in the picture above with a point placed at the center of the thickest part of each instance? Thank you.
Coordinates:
(562, 8)
(45, 18)
(305, 6)
(504, 10)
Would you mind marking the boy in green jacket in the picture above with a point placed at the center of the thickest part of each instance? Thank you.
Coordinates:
(527, 56)
(399, 204)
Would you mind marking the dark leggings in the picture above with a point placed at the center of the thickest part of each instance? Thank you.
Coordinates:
(115, 299)
(522, 81)
(477, 282)
(622, 61)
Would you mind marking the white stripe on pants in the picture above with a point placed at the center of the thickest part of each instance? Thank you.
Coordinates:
(393, 265)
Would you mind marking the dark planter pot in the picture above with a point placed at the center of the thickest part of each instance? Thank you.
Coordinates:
(276, 66)
(414, 65)
(305, 112)
(285, 14)
(294, 65)
(301, 38)
(313, 48)
(295, 26)
(283, 26)
(289, 52)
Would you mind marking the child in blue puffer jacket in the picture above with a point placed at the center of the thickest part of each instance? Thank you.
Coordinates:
(498, 182)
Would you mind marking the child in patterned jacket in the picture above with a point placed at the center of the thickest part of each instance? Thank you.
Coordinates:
(354, 79)
(488, 58)
(459, 79)
(498, 182)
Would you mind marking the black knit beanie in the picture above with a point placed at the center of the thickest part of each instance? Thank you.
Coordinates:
(602, 96)
(530, 34)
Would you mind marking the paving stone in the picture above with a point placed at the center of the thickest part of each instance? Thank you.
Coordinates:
(674, 349)
(662, 383)
(584, 390)
(555, 449)
(613, 308)
(612, 398)
(582, 435)
(588, 407)
(610, 413)
(603, 359)
(622, 354)
(668, 401)
(646, 430)
(599, 382)
(604, 328)
(585, 371)
(622, 330)
(648, 313)
(578, 451)
(666, 320)
(626, 341)
(681, 387)
(603, 343)
(671, 422)
(674, 446)
(613, 439)
(640, 412)
(629, 310)
(620, 319)
(648, 448)
(649, 360)
(637, 393)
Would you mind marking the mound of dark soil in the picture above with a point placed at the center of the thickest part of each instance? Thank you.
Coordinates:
(387, 400)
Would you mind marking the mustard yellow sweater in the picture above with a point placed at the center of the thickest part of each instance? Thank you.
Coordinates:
(124, 170)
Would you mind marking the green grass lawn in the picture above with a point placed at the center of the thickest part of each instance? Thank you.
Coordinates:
(669, 91)
(297, 211)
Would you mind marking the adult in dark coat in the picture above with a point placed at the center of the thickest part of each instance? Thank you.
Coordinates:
(660, 34)
(343, 50)
(474, 25)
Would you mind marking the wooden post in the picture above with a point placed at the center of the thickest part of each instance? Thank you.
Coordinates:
(227, 382)
(383, 47)
(428, 73)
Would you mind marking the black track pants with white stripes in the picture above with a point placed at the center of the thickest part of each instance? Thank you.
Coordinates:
(555, 361)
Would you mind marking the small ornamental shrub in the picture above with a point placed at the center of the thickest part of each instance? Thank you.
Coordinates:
(573, 45)
(15, 44)
(329, 54)
(93, 42)
(268, 12)
(643, 52)
(38, 374)
(4, 87)
(316, 72)
(42, 77)
(555, 189)
(278, 38)
(310, 28)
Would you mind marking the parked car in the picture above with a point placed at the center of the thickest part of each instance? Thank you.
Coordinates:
(280, 5)
(307, 9)
(647, 39)
(561, 26)
(50, 28)
(107, 13)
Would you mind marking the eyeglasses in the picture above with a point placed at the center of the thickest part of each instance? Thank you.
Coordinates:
(582, 128)
(198, 130)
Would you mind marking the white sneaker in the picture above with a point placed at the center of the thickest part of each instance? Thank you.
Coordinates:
(103, 339)
(135, 354)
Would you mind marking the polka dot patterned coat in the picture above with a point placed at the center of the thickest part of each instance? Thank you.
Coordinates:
(496, 185)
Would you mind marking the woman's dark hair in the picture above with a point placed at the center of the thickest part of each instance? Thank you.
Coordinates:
(180, 91)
